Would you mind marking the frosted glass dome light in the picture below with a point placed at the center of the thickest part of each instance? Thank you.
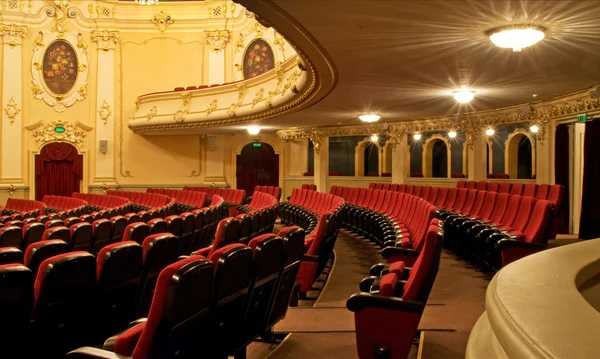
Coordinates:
(253, 130)
(452, 134)
(464, 95)
(369, 117)
(417, 136)
(489, 132)
(516, 37)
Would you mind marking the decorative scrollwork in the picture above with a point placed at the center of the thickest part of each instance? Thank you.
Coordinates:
(12, 110)
(185, 107)
(216, 39)
(13, 34)
(105, 112)
(162, 21)
(242, 89)
(74, 133)
(196, 173)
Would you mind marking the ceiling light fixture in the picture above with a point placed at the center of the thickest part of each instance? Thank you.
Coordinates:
(253, 130)
(417, 136)
(464, 95)
(452, 134)
(369, 117)
(489, 132)
(374, 138)
(534, 129)
(146, 2)
(516, 37)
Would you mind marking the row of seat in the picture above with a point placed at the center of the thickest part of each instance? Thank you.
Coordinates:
(274, 191)
(143, 200)
(260, 200)
(389, 307)
(229, 195)
(185, 199)
(23, 205)
(312, 187)
(106, 202)
(62, 203)
(213, 307)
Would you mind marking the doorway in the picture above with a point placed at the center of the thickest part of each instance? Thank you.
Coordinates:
(58, 170)
(257, 164)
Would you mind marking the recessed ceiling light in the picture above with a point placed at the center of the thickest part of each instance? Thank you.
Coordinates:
(253, 130)
(417, 136)
(374, 138)
(489, 132)
(452, 134)
(464, 95)
(371, 117)
(534, 129)
(516, 37)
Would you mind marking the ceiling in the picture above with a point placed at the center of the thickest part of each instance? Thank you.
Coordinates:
(402, 59)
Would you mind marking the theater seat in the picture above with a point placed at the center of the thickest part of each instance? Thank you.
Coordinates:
(64, 290)
(38, 252)
(10, 255)
(178, 324)
(136, 232)
(81, 237)
(16, 303)
(10, 237)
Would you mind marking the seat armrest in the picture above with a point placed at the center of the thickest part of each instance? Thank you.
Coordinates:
(109, 344)
(376, 269)
(387, 252)
(366, 283)
(508, 243)
(310, 258)
(360, 301)
(90, 352)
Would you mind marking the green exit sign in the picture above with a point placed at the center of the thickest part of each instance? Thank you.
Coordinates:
(257, 144)
(582, 118)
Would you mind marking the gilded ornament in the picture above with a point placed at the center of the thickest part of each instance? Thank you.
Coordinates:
(185, 107)
(137, 104)
(150, 115)
(104, 188)
(37, 66)
(12, 110)
(83, 91)
(239, 44)
(81, 68)
(105, 112)
(91, 10)
(238, 67)
(11, 189)
(212, 107)
(232, 111)
(258, 97)
(13, 34)
(279, 41)
(81, 43)
(162, 21)
(43, 133)
(38, 41)
(216, 39)
(258, 29)
(36, 90)
(196, 173)
(105, 39)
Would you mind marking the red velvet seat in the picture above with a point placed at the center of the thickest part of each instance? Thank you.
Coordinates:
(228, 232)
(16, 303)
(118, 270)
(156, 225)
(71, 221)
(11, 255)
(64, 291)
(117, 228)
(245, 228)
(81, 238)
(10, 237)
(174, 225)
(186, 243)
(61, 233)
(159, 251)
(54, 223)
(136, 232)
(101, 234)
(37, 252)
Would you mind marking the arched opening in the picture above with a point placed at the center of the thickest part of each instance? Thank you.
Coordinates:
(439, 159)
(524, 156)
(387, 155)
(257, 164)
(371, 154)
(58, 170)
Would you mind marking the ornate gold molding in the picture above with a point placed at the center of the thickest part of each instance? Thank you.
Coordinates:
(13, 34)
(196, 173)
(242, 90)
(216, 39)
(239, 44)
(11, 189)
(105, 39)
(104, 188)
(101, 11)
(212, 107)
(186, 101)
(258, 97)
(74, 133)
(104, 112)
(150, 115)
(12, 110)
(162, 21)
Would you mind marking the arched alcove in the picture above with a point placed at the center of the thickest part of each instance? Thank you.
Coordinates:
(387, 157)
(257, 164)
(58, 170)
(367, 149)
(519, 154)
(437, 160)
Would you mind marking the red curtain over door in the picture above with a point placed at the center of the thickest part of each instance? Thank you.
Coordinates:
(58, 170)
(257, 165)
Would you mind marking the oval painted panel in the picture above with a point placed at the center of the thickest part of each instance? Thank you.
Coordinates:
(258, 58)
(60, 67)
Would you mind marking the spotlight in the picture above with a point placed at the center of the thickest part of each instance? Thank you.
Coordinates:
(253, 130)
(417, 136)
(464, 95)
(534, 129)
(374, 138)
(369, 117)
(452, 134)
(489, 132)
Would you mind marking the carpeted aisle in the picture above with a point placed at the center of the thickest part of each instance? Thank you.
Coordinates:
(324, 328)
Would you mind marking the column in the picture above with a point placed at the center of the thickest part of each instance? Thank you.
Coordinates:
(12, 104)
(544, 154)
(577, 175)
(105, 109)
(321, 148)
(298, 156)
(216, 40)
(215, 160)
(476, 152)
(400, 152)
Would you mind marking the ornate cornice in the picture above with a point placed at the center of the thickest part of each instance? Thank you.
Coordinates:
(472, 124)
(106, 39)
(216, 39)
(13, 34)
(45, 132)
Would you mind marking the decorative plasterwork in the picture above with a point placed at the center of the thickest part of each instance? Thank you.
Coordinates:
(216, 39)
(16, 5)
(472, 124)
(162, 21)
(106, 39)
(104, 188)
(101, 10)
(186, 101)
(13, 34)
(44, 132)
(104, 112)
(11, 189)
(196, 173)
(12, 110)
(242, 90)
(39, 88)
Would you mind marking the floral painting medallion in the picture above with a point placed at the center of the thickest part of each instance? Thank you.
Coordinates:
(258, 58)
(60, 67)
